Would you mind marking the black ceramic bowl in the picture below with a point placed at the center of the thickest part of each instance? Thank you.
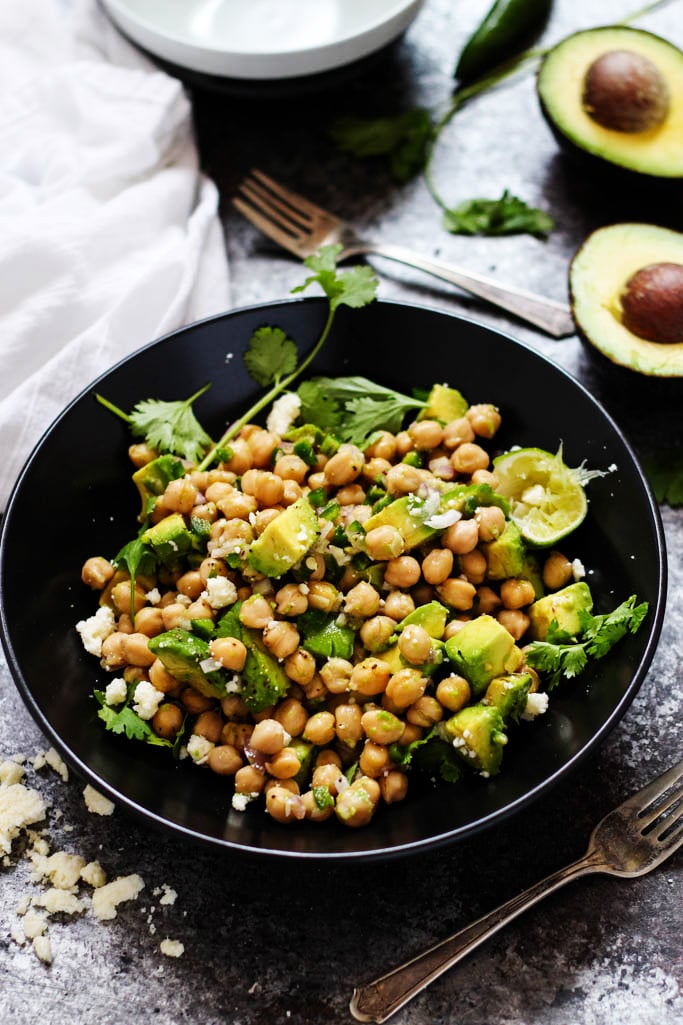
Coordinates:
(75, 499)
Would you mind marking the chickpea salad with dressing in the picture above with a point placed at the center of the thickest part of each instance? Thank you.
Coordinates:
(358, 591)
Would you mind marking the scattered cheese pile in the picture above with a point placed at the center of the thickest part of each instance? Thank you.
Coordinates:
(62, 876)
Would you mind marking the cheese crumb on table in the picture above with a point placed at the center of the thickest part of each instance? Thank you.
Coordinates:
(43, 948)
(97, 803)
(172, 948)
(54, 760)
(20, 806)
(105, 899)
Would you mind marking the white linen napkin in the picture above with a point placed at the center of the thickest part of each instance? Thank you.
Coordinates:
(109, 232)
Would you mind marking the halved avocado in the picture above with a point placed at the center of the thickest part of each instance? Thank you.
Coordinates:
(614, 95)
(599, 275)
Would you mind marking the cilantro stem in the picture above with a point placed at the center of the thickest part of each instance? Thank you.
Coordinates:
(280, 385)
(112, 408)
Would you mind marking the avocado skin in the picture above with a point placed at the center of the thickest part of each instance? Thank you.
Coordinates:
(605, 170)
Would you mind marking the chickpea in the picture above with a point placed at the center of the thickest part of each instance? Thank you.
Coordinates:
(336, 675)
(374, 759)
(454, 625)
(125, 623)
(136, 650)
(469, 457)
(404, 443)
(487, 600)
(240, 457)
(320, 729)
(160, 678)
(237, 505)
(453, 692)
(218, 490)
(292, 716)
(370, 676)
(300, 666)
(384, 543)
(237, 734)
(180, 496)
(224, 760)
(398, 605)
(484, 418)
(557, 571)
(415, 644)
(281, 638)
(269, 736)
(405, 687)
(440, 466)
(355, 805)
(393, 786)
(402, 572)
(175, 615)
(461, 537)
(457, 593)
(167, 720)
(348, 724)
(515, 622)
(149, 621)
(200, 609)
(375, 632)
(323, 596)
(437, 565)
(266, 487)
(290, 785)
(97, 572)
(485, 477)
(249, 780)
(262, 444)
(284, 806)
(285, 764)
(230, 652)
(381, 726)
(234, 707)
(383, 447)
(190, 584)
(327, 757)
(491, 522)
(425, 712)
(141, 454)
(291, 600)
(402, 478)
(194, 702)
(291, 467)
(313, 811)
(410, 734)
(516, 593)
(362, 600)
(426, 434)
(121, 596)
(474, 566)
(256, 612)
(457, 432)
(209, 724)
(376, 469)
(344, 466)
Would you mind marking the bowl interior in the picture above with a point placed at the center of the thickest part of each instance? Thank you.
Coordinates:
(75, 499)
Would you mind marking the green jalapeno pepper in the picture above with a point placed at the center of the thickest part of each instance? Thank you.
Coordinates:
(507, 24)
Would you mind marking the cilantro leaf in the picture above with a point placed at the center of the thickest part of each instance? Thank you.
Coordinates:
(603, 632)
(124, 720)
(403, 139)
(137, 558)
(317, 407)
(664, 471)
(505, 216)
(354, 407)
(270, 355)
(171, 426)
(355, 287)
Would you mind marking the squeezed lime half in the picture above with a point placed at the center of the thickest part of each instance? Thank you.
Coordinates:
(547, 499)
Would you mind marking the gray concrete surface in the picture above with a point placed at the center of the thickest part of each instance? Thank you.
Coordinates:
(267, 944)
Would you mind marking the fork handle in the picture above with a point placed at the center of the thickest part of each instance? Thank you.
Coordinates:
(553, 317)
(378, 1000)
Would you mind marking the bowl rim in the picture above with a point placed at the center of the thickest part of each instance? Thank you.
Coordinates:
(449, 837)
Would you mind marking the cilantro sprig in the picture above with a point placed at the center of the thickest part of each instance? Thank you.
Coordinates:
(353, 408)
(166, 426)
(561, 655)
(124, 720)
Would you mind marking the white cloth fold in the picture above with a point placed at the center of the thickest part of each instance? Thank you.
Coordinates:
(109, 232)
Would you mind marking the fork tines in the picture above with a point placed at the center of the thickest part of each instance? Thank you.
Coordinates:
(285, 216)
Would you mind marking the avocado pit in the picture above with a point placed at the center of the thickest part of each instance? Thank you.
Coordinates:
(626, 92)
(652, 303)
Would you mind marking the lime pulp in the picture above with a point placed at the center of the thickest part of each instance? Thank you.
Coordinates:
(547, 500)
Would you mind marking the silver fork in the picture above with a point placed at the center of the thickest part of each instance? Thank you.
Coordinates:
(302, 227)
(630, 841)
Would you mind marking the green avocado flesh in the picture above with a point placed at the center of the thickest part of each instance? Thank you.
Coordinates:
(657, 151)
(598, 274)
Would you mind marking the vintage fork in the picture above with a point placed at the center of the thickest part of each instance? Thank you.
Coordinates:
(302, 227)
(629, 841)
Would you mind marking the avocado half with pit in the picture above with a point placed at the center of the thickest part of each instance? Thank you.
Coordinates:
(614, 96)
(626, 292)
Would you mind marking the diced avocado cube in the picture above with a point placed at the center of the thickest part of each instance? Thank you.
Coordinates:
(508, 694)
(169, 538)
(482, 650)
(532, 573)
(444, 404)
(324, 635)
(264, 680)
(152, 479)
(564, 607)
(431, 616)
(478, 736)
(285, 540)
(395, 660)
(506, 556)
(182, 653)
(305, 752)
(410, 524)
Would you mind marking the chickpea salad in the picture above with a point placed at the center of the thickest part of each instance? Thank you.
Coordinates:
(358, 591)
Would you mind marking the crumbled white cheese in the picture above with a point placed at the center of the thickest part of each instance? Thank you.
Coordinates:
(283, 413)
(169, 895)
(34, 923)
(59, 902)
(219, 592)
(578, 569)
(97, 803)
(62, 869)
(536, 704)
(116, 691)
(11, 772)
(153, 596)
(94, 629)
(20, 806)
(105, 899)
(146, 699)
(93, 874)
(241, 801)
(43, 948)
(54, 760)
(172, 948)
(198, 748)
